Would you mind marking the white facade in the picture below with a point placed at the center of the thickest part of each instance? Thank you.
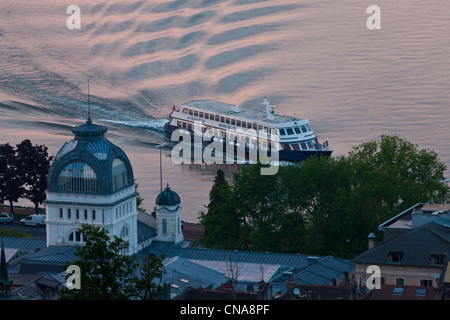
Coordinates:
(116, 213)
(168, 223)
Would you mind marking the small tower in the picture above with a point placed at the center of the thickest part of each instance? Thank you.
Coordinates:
(168, 217)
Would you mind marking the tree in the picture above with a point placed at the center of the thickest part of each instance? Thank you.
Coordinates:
(221, 221)
(148, 283)
(107, 273)
(328, 206)
(34, 162)
(139, 199)
(11, 179)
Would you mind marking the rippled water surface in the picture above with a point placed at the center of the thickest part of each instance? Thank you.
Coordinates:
(314, 59)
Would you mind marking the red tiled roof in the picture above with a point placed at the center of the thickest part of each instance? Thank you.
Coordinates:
(192, 231)
(386, 292)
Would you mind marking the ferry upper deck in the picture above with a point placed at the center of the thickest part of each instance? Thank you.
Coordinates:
(257, 113)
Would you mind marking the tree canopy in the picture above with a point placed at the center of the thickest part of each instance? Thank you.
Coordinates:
(23, 173)
(325, 206)
(108, 273)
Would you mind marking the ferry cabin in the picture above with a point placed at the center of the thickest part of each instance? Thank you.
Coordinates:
(233, 123)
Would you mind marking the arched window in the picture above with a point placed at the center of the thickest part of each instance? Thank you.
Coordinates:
(78, 177)
(124, 232)
(164, 226)
(75, 236)
(119, 175)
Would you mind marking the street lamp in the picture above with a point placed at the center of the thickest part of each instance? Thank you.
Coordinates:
(160, 161)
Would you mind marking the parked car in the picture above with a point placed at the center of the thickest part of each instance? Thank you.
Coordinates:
(6, 218)
(33, 220)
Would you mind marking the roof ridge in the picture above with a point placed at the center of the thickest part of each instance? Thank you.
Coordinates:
(438, 234)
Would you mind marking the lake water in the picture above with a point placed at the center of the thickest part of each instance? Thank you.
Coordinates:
(313, 59)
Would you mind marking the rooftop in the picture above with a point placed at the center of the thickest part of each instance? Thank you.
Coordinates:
(258, 112)
(416, 246)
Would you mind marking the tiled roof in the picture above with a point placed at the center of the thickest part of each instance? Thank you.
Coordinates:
(324, 271)
(415, 245)
(392, 292)
(169, 250)
(25, 244)
(51, 259)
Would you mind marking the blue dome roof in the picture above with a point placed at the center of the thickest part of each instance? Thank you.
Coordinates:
(90, 163)
(168, 198)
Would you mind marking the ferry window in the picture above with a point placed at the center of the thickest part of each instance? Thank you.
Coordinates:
(200, 114)
(255, 126)
(227, 120)
(297, 130)
(282, 132)
(295, 147)
(308, 127)
(303, 145)
(310, 145)
(184, 110)
(233, 122)
(238, 123)
(244, 124)
(222, 119)
(216, 118)
(195, 113)
(206, 115)
(189, 126)
(178, 123)
(303, 129)
(190, 112)
(289, 131)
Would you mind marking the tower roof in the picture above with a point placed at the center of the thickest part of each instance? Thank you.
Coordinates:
(4, 278)
(89, 130)
(90, 163)
(168, 198)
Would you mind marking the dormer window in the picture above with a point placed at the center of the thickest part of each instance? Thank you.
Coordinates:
(436, 259)
(394, 256)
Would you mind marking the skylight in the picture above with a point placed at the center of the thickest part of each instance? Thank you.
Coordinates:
(421, 292)
(398, 291)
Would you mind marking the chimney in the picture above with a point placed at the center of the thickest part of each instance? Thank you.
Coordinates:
(371, 238)
(291, 284)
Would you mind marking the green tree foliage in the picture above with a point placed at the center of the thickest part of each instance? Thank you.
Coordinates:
(221, 221)
(328, 206)
(107, 273)
(23, 173)
(35, 163)
(11, 179)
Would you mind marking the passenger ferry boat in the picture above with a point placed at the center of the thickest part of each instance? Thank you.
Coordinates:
(231, 123)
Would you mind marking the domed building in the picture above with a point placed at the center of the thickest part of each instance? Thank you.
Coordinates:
(91, 182)
(168, 217)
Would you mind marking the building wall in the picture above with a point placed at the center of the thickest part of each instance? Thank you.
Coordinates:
(171, 232)
(67, 212)
(412, 275)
